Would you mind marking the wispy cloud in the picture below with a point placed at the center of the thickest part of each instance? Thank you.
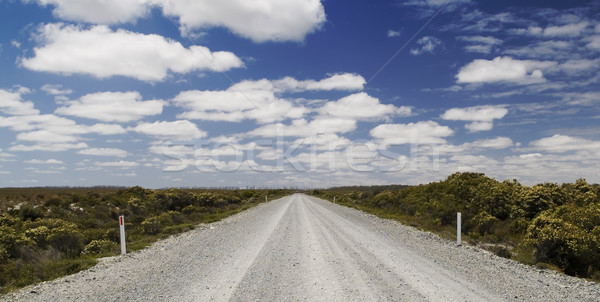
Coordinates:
(425, 44)
(45, 162)
(104, 152)
(393, 33)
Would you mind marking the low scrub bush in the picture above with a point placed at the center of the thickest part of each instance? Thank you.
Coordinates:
(102, 246)
(66, 240)
(483, 222)
(563, 244)
(28, 212)
(152, 226)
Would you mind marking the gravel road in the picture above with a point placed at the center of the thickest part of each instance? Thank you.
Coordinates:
(301, 248)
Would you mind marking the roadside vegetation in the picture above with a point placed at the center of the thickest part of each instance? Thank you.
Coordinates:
(46, 233)
(548, 225)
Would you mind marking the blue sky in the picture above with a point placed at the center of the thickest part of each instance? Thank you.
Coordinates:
(286, 93)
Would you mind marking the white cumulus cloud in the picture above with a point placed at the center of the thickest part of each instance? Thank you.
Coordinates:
(424, 132)
(258, 20)
(183, 130)
(105, 129)
(479, 126)
(53, 133)
(261, 100)
(50, 147)
(104, 152)
(118, 164)
(33, 122)
(112, 107)
(304, 128)
(494, 143)
(45, 162)
(47, 136)
(563, 143)
(362, 106)
(481, 117)
(340, 81)
(235, 105)
(56, 89)
(98, 11)
(11, 102)
(102, 52)
(503, 69)
(483, 144)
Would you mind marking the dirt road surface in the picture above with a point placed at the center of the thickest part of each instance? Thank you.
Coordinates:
(301, 248)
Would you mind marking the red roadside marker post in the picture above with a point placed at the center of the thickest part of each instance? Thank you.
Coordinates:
(122, 229)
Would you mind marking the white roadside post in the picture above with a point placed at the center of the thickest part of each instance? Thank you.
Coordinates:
(333, 199)
(458, 241)
(122, 229)
(267, 198)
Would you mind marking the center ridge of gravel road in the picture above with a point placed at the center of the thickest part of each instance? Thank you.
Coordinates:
(301, 248)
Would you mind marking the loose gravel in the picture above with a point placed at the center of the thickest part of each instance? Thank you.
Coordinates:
(301, 248)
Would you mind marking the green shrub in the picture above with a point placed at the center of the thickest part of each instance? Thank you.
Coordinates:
(28, 212)
(493, 197)
(67, 240)
(151, 226)
(221, 202)
(51, 223)
(9, 241)
(8, 220)
(234, 200)
(137, 205)
(249, 194)
(519, 225)
(384, 199)
(562, 244)
(112, 235)
(483, 223)
(169, 218)
(4, 255)
(99, 247)
(581, 192)
(54, 202)
(540, 198)
(39, 235)
(191, 209)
